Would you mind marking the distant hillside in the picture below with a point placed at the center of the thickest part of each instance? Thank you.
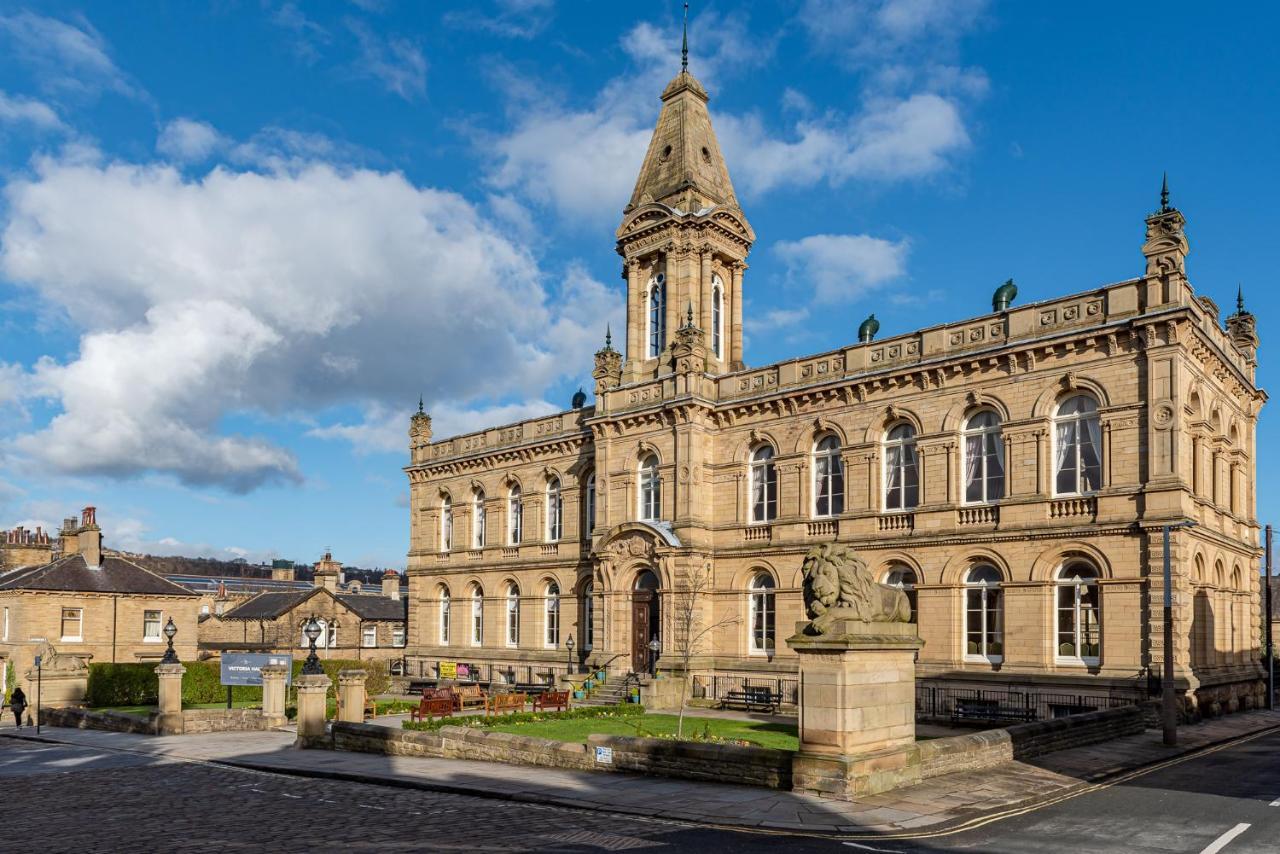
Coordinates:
(177, 565)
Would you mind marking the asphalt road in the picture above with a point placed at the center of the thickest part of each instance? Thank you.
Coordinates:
(65, 798)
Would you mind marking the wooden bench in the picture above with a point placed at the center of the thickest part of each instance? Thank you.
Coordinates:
(753, 699)
(432, 707)
(442, 693)
(470, 695)
(496, 704)
(558, 700)
(990, 711)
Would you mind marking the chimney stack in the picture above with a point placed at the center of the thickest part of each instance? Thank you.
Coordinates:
(89, 537)
(391, 584)
(328, 573)
(67, 537)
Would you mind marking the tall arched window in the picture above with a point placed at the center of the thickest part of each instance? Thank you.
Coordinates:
(1077, 440)
(904, 578)
(1079, 628)
(446, 524)
(717, 316)
(555, 510)
(650, 489)
(588, 615)
(657, 315)
(477, 615)
(445, 616)
(983, 458)
(984, 614)
(515, 516)
(551, 615)
(763, 615)
(477, 520)
(901, 478)
(764, 485)
(589, 502)
(513, 614)
(828, 478)
(328, 637)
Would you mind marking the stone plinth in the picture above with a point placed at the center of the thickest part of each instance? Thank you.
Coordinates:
(58, 689)
(274, 680)
(351, 696)
(311, 709)
(857, 707)
(169, 708)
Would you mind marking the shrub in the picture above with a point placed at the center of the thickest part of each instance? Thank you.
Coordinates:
(377, 681)
(629, 710)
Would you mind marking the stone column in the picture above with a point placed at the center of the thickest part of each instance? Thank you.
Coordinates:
(351, 696)
(311, 710)
(274, 678)
(857, 708)
(735, 350)
(169, 717)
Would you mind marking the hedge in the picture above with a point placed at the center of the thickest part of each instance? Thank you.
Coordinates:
(138, 685)
(624, 710)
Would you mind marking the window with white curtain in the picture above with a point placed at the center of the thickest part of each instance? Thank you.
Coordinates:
(513, 615)
(477, 615)
(515, 516)
(1079, 628)
(478, 520)
(763, 614)
(1077, 441)
(650, 489)
(369, 636)
(764, 485)
(555, 510)
(717, 316)
(657, 315)
(590, 502)
(983, 458)
(828, 478)
(446, 524)
(904, 578)
(551, 615)
(445, 615)
(901, 478)
(984, 614)
(588, 614)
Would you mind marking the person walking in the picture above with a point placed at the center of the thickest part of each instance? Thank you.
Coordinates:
(18, 703)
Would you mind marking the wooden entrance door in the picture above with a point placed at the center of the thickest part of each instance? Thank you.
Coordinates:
(642, 604)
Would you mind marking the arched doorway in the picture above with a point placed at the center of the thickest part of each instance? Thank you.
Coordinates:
(645, 619)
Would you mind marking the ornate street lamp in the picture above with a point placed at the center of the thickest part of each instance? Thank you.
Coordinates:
(311, 667)
(569, 646)
(170, 657)
(654, 648)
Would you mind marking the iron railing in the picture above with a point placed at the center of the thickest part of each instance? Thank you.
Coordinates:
(787, 688)
(936, 700)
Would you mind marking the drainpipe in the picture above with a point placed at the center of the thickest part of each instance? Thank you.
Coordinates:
(115, 606)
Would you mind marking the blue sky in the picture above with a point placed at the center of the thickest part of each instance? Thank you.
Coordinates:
(236, 243)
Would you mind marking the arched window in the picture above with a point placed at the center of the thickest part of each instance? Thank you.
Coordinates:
(588, 615)
(1077, 440)
(327, 638)
(983, 458)
(901, 478)
(904, 578)
(477, 615)
(764, 485)
(555, 510)
(828, 478)
(446, 524)
(513, 614)
(717, 316)
(763, 614)
(445, 616)
(650, 489)
(984, 614)
(515, 516)
(477, 520)
(657, 315)
(1079, 629)
(551, 614)
(589, 502)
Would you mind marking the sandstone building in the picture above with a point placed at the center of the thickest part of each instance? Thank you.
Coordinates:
(1012, 471)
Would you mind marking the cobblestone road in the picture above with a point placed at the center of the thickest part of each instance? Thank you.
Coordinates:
(75, 799)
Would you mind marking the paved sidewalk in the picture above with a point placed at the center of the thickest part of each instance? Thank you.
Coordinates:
(938, 804)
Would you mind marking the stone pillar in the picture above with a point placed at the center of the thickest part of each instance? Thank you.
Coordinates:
(274, 679)
(169, 717)
(311, 710)
(857, 708)
(351, 696)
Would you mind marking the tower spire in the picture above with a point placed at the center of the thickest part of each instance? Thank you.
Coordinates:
(608, 336)
(1239, 298)
(684, 47)
(420, 412)
(1164, 194)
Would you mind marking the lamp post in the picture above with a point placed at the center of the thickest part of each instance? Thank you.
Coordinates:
(1168, 713)
(311, 667)
(170, 657)
(569, 646)
(654, 647)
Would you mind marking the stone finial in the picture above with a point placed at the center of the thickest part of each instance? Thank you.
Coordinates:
(1242, 329)
(1166, 246)
(419, 432)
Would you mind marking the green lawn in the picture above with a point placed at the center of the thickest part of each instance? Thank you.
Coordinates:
(781, 736)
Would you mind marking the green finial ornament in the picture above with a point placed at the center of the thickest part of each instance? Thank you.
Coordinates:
(688, 321)
(1004, 296)
(420, 410)
(1239, 299)
(1164, 194)
(608, 337)
(867, 331)
(684, 48)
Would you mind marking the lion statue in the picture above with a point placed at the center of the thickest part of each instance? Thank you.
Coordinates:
(838, 585)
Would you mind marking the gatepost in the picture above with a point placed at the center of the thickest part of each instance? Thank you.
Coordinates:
(311, 709)
(274, 678)
(351, 696)
(169, 719)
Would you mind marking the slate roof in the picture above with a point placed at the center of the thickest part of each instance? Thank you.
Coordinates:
(370, 607)
(72, 574)
(367, 606)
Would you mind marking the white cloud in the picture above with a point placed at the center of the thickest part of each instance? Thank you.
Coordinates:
(18, 110)
(841, 267)
(866, 32)
(308, 36)
(189, 141)
(520, 19)
(272, 295)
(396, 61)
(66, 57)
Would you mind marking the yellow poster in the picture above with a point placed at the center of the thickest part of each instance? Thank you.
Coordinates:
(448, 670)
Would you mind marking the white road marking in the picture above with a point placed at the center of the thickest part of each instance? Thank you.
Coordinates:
(287, 795)
(1275, 803)
(1222, 841)
(869, 848)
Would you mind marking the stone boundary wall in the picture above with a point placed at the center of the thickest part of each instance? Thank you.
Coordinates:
(753, 766)
(194, 721)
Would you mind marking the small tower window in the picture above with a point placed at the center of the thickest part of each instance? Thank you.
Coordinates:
(717, 315)
(657, 315)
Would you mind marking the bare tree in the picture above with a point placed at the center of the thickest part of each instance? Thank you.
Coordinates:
(690, 630)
